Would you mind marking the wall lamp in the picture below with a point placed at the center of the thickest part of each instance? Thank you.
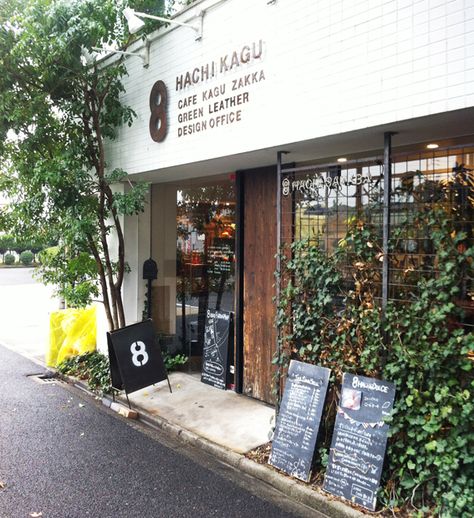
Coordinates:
(135, 24)
(89, 58)
(144, 55)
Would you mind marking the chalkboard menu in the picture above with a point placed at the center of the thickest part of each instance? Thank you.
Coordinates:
(218, 337)
(359, 439)
(299, 418)
(135, 357)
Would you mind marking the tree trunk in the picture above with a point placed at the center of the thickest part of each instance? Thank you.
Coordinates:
(110, 281)
(103, 283)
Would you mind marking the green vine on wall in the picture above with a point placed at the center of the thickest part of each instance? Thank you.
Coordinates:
(329, 314)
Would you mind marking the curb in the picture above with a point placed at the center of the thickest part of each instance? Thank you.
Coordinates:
(313, 498)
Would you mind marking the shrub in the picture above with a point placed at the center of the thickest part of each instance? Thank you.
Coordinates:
(47, 255)
(92, 367)
(6, 243)
(9, 259)
(173, 362)
(26, 257)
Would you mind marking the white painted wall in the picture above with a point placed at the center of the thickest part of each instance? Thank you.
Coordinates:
(137, 249)
(330, 66)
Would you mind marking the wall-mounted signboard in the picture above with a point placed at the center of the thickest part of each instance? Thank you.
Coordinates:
(299, 419)
(359, 439)
(135, 357)
(218, 339)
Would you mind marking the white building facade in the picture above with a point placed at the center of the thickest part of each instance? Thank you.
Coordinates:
(321, 80)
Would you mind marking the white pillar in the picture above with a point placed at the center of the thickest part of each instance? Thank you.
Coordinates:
(163, 238)
(137, 249)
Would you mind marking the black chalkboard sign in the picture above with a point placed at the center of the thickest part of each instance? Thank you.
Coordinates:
(299, 418)
(135, 357)
(218, 337)
(359, 439)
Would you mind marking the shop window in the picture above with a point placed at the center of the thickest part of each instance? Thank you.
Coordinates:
(205, 261)
(437, 180)
(321, 203)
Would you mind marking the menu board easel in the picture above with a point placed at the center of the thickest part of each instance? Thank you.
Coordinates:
(359, 439)
(299, 419)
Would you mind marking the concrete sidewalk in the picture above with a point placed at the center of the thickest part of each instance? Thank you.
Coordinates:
(228, 419)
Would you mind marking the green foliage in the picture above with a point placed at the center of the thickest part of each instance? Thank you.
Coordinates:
(92, 367)
(9, 243)
(27, 257)
(19, 246)
(9, 259)
(172, 362)
(6, 243)
(56, 116)
(47, 254)
(132, 201)
(312, 284)
(328, 315)
(431, 451)
(74, 275)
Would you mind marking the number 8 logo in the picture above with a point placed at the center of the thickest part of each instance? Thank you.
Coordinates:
(158, 108)
(139, 354)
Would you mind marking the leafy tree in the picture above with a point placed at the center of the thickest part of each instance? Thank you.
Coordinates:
(35, 247)
(56, 115)
(19, 246)
(6, 244)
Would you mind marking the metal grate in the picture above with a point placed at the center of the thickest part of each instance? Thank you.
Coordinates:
(320, 203)
(48, 378)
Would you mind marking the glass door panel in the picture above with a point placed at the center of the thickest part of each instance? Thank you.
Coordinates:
(205, 261)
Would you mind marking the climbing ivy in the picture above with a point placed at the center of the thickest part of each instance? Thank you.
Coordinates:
(431, 450)
(329, 314)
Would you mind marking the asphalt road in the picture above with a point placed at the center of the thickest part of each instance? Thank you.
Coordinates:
(16, 276)
(65, 455)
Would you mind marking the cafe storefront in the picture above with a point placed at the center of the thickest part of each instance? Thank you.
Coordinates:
(226, 231)
(251, 141)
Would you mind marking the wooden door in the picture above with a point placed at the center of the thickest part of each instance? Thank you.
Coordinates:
(259, 249)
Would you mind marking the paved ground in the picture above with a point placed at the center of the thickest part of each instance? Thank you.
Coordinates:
(25, 305)
(238, 423)
(64, 455)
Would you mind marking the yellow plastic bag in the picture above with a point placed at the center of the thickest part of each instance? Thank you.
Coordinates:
(71, 332)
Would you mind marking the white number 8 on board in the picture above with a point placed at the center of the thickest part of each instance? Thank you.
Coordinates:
(139, 354)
